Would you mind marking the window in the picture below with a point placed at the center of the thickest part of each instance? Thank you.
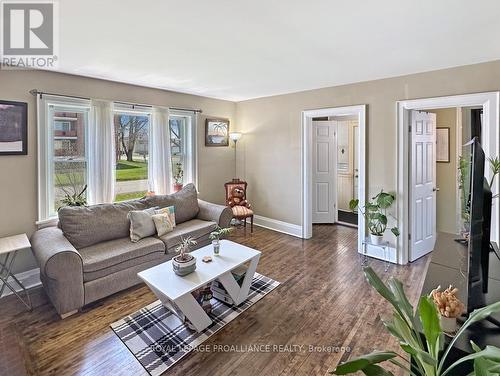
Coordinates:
(67, 162)
(177, 147)
(183, 146)
(132, 154)
(63, 151)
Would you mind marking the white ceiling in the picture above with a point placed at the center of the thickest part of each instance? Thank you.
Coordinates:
(236, 50)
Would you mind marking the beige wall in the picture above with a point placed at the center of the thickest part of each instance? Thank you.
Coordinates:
(446, 175)
(271, 147)
(18, 185)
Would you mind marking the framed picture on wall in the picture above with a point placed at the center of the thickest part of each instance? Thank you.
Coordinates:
(13, 128)
(443, 145)
(216, 132)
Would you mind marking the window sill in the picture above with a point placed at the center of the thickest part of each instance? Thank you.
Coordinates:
(50, 222)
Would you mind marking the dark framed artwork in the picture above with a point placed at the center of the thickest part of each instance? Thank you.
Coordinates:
(216, 132)
(13, 128)
(443, 145)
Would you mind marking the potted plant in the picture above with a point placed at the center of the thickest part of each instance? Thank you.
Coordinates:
(216, 235)
(420, 335)
(375, 213)
(178, 176)
(184, 263)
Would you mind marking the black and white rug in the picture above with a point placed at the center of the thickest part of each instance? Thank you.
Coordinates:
(158, 338)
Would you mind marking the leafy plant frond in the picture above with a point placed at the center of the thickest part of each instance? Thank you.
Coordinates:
(409, 326)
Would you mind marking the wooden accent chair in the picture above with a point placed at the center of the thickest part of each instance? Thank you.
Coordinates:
(240, 206)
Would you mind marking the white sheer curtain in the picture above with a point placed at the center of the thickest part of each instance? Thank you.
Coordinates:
(101, 157)
(160, 165)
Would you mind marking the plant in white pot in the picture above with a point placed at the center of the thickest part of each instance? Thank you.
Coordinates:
(375, 213)
(184, 263)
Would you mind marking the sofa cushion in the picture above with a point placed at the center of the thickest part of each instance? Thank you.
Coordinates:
(185, 202)
(114, 255)
(86, 226)
(196, 228)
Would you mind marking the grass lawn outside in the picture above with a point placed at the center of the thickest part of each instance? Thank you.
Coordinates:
(129, 196)
(131, 170)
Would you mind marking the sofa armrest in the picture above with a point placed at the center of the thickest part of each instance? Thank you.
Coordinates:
(61, 269)
(220, 214)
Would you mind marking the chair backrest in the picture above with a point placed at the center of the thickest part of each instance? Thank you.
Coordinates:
(229, 186)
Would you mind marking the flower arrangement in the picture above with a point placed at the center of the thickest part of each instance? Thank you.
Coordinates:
(447, 302)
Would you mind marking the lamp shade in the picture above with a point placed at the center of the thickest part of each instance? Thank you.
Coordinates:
(235, 136)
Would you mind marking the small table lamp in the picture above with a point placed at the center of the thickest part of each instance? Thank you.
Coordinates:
(235, 136)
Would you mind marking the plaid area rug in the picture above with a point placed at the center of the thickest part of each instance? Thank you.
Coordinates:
(158, 338)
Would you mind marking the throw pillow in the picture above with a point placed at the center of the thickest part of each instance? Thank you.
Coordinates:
(170, 211)
(141, 224)
(163, 224)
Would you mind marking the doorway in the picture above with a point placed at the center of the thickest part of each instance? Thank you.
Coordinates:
(335, 173)
(328, 193)
(410, 116)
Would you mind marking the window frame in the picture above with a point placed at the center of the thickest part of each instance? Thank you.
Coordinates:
(190, 155)
(132, 110)
(45, 121)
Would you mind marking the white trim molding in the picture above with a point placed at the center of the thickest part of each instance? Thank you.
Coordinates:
(360, 112)
(279, 226)
(490, 143)
(29, 279)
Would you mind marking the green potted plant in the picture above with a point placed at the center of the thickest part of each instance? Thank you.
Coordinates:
(178, 176)
(216, 235)
(184, 263)
(420, 336)
(375, 213)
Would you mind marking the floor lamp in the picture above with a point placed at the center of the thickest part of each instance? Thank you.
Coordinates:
(235, 136)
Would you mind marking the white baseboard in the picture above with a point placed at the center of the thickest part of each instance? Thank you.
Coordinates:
(280, 226)
(29, 278)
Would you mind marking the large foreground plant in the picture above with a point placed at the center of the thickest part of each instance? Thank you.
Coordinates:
(425, 346)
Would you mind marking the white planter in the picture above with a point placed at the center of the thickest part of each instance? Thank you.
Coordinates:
(448, 324)
(376, 239)
(183, 268)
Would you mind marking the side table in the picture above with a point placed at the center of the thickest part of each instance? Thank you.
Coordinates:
(9, 246)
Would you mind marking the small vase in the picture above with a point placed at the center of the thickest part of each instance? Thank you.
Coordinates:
(376, 239)
(448, 324)
(177, 187)
(216, 245)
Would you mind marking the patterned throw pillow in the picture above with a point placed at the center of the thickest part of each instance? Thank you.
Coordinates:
(170, 211)
(163, 224)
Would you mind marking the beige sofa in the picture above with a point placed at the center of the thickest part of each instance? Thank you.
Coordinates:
(90, 256)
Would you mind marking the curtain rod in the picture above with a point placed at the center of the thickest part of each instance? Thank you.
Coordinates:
(36, 92)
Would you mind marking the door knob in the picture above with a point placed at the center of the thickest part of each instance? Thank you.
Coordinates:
(435, 189)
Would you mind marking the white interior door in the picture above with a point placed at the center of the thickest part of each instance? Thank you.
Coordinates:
(356, 162)
(324, 191)
(422, 184)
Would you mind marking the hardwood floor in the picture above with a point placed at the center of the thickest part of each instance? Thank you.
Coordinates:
(323, 300)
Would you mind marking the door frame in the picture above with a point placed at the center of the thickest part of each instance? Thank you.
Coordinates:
(490, 103)
(307, 116)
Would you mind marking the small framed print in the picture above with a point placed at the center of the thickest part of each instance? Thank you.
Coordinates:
(217, 132)
(443, 145)
(13, 128)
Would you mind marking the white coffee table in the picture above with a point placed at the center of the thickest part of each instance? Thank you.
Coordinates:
(171, 288)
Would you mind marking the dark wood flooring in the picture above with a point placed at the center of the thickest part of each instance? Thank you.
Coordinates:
(323, 301)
